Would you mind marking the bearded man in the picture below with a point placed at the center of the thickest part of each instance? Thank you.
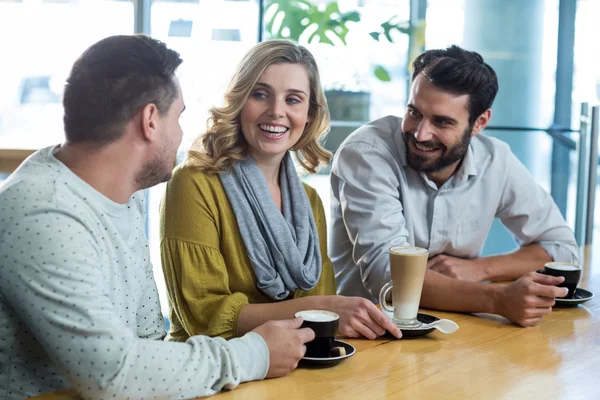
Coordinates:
(432, 180)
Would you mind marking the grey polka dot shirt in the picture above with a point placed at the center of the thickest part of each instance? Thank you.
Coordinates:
(78, 302)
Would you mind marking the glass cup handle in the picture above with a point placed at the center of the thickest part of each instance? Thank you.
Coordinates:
(383, 294)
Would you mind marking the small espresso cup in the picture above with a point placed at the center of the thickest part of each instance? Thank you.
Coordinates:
(325, 325)
(571, 273)
(407, 269)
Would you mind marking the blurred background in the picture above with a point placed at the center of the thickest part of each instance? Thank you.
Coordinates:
(546, 53)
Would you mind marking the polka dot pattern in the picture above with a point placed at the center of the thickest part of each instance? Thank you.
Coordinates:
(78, 302)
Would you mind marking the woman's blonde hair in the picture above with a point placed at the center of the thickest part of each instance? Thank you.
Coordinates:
(223, 142)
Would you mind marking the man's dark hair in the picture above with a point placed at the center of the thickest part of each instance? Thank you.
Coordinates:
(460, 71)
(112, 81)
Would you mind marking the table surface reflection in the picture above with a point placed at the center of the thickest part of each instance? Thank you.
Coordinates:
(486, 358)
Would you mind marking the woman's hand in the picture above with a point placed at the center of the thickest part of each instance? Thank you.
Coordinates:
(359, 317)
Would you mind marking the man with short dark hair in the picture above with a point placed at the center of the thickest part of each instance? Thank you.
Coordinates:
(432, 180)
(78, 302)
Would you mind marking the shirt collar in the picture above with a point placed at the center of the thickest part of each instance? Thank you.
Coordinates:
(401, 146)
(469, 164)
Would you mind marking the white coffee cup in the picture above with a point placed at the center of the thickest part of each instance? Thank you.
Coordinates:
(407, 268)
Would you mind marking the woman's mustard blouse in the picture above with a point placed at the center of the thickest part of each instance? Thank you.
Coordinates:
(208, 275)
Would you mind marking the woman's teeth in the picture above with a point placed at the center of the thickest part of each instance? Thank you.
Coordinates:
(273, 130)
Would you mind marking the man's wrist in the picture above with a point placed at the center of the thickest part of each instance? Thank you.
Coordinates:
(495, 298)
(484, 265)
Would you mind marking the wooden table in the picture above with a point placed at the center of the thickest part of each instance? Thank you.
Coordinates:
(487, 358)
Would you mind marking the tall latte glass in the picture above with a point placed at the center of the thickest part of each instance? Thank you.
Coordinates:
(407, 267)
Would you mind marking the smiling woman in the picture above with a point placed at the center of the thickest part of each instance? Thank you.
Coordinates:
(243, 241)
(276, 112)
(222, 144)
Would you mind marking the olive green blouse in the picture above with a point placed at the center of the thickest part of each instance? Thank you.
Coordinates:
(208, 275)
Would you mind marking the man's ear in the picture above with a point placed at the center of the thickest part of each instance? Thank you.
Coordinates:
(481, 121)
(149, 121)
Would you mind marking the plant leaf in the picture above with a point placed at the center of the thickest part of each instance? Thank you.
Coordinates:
(382, 74)
(390, 25)
(294, 12)
(353, 16)
(375, 35)
(299, 15)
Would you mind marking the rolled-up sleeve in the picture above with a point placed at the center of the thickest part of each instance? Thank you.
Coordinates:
(366, 185)
(530, 214)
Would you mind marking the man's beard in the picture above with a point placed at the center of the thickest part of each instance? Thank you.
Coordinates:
(448, 156)
(154, 172)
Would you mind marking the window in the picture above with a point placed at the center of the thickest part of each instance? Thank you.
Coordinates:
(39, 41)
(586, 79)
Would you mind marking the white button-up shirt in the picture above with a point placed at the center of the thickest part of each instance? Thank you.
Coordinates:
(379, 201)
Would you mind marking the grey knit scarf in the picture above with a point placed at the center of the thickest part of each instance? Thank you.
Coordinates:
(283, 249)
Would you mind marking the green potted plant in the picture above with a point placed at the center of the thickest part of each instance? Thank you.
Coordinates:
(290, 19)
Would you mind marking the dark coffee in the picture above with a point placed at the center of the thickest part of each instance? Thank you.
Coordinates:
(325, 326)
(571, 273)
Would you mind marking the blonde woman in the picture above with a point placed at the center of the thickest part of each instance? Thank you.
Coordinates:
(243, 240)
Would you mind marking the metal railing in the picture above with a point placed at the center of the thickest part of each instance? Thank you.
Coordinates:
(587, 149)
(557, 133)
(590, 141)
(582, 164)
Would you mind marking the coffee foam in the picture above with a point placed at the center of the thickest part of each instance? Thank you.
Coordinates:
(408, 250)
(317, 315)
(563, 266)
